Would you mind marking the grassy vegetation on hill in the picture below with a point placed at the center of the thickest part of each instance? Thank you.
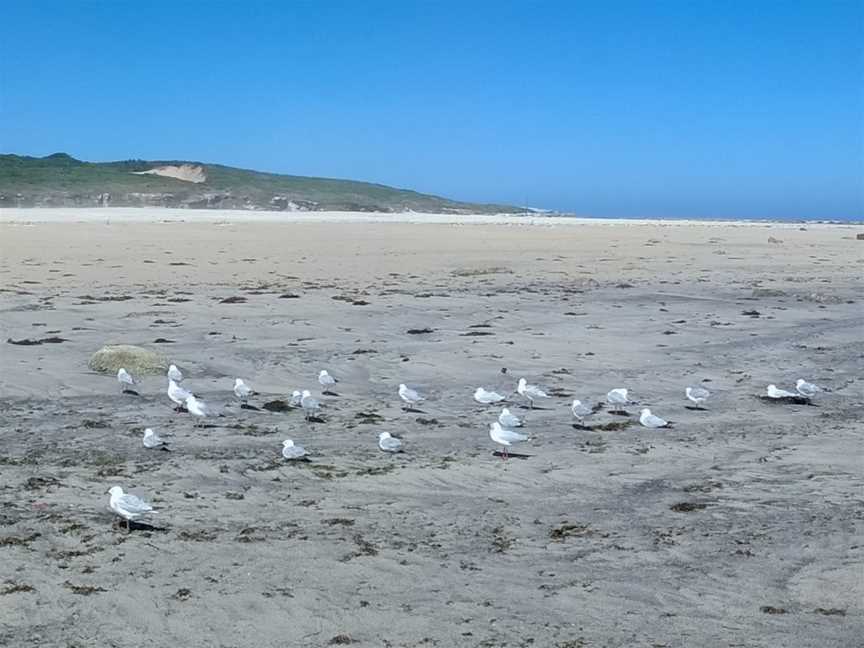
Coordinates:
(61, 180)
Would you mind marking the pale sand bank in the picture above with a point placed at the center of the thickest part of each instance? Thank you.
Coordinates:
(136, 215)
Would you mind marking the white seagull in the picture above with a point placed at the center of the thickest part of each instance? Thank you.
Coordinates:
(505, 437)
(508, 420)
(649, 420)
(806, 389)
(326, 379)
(197, 407)
(242, 390)
(487, 397)
(177, 394)
(618, 398)
(129, 507)
(127, 382)
(774, 392)
(175, 374)
(409, 396)
(291, 451)
(697, 394)
(389, 443)
(309, 404)
(151, 439)
(296, 397)
(580, 410)
(531, 392)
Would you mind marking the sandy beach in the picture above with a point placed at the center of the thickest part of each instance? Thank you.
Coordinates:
(742, 525)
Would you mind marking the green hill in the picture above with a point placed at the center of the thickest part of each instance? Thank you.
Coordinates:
(60, 180)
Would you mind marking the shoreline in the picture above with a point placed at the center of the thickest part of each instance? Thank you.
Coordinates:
(27, 215)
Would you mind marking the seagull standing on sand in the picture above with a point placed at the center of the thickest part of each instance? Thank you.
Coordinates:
(128, 507)
(127, 382)
(649, 420)
(505, 437)
(580, 410)
(508, 420)
(618, 398)
(531, 392)
(291, 451)
(178, 394)
(151, 439)
(175, 374)
(197, 408)
(309, 404)
(242, 390)
(389, 443)
(774, 392)
(325, 379)
(487, 397)
(697, 394)
(806, 389)
(409, 396)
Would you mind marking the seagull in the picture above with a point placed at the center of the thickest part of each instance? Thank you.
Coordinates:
(618, 398)
(774, 392)
(125, 379)
(409, 396)
(291, 451)
(580, 410)
(152, 440)
(806, 389)
(530, 391)
(178, 394)
(309, 404)
(296, 397)
(242, 390)
(326, 379)
(508, 420)
(487, 397)
(389, 443)
(129, 507)
(175, 374)
(697, 394)
(505, 437)
(197, 407)
(648, 419)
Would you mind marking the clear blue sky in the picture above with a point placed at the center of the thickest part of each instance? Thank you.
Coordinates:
(715, 109)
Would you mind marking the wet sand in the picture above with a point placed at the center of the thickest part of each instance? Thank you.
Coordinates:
(740, 526)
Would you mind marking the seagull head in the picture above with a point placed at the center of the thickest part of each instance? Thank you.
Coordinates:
(800, 382)
(296, 393)
(402, 387)
(115, 491)
(495, 426)
(148, 432)
(323, 373)
(384, 435)
(306, 393)
(505, 411)
(522, 383)
(238, 382)
(576, 402)
(288, 443)
(172, 368)
(646, 412)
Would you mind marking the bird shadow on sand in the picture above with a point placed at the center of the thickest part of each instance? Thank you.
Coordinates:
(138, 526)
(536, 408)
(510, 455)
(315, 419)
(329, 393)
(130, 392)
(787, 400)
(413, 410)
(252, 408)
(694, 408)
